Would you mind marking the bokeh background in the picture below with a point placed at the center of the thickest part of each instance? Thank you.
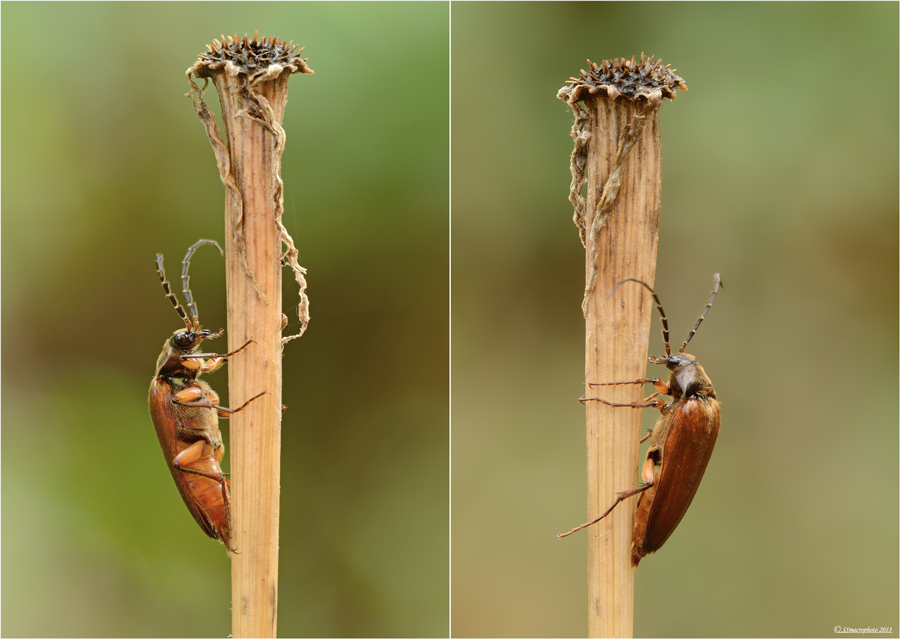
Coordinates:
(105, 164)
(780, 171)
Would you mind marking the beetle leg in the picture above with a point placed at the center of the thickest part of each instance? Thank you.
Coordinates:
(215, 355)
(190, 397)
(619, 498)
(203, 403)
(191, 454)
(225, 413)
(212, 364)
(191, 364)
(196, 363)
(653, 381)
(188, 394)
(658, 384)
(194, 397)
(661, 386)
(649, 464)
(647, 403)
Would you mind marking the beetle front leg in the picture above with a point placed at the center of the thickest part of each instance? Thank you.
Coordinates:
(658, 384)
(196, 362)
(214, 362)
(648, 402)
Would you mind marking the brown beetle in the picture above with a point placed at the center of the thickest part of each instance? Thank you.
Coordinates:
(681, 442)
(185, 414)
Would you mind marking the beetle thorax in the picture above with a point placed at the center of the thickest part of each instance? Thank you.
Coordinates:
(688, 376)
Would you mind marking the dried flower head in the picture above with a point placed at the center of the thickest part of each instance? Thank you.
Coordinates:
(258, 59)
(626, 78)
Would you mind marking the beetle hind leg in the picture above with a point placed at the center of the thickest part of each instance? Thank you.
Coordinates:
(192, 454)
(620, 497)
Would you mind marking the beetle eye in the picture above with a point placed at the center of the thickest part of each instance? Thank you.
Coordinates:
(183, 339)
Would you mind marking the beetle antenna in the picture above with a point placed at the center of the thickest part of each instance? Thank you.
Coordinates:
(185, 278)
(717, 283)
(662, 313)
(165, 285)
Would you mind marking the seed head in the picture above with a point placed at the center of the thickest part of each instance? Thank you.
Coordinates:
(626, 78)
(258, 59)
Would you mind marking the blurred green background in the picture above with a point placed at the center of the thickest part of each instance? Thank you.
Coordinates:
(105, 164)
(780, 172)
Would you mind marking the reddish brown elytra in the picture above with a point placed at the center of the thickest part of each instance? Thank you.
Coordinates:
(681, 443)
(185, 414)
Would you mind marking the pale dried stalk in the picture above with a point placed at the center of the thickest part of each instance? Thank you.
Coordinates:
(252, 81)
(617, 332)
(618, 225)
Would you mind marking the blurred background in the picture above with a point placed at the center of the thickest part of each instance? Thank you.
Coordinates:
(105, 164)
(780, 171)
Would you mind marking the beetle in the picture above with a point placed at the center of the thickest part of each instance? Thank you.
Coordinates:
(185, 412)
(681, 443)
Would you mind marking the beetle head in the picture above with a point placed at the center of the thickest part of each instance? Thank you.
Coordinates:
(675, 362)
(186, 340)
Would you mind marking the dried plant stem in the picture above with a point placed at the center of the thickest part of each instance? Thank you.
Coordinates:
(256, 432)
(252, 81)
(616, 337)
(617, 154)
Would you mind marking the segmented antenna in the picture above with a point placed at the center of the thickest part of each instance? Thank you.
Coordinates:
(165, 285)
(659, 307)
(185, 278)
(717, 282)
